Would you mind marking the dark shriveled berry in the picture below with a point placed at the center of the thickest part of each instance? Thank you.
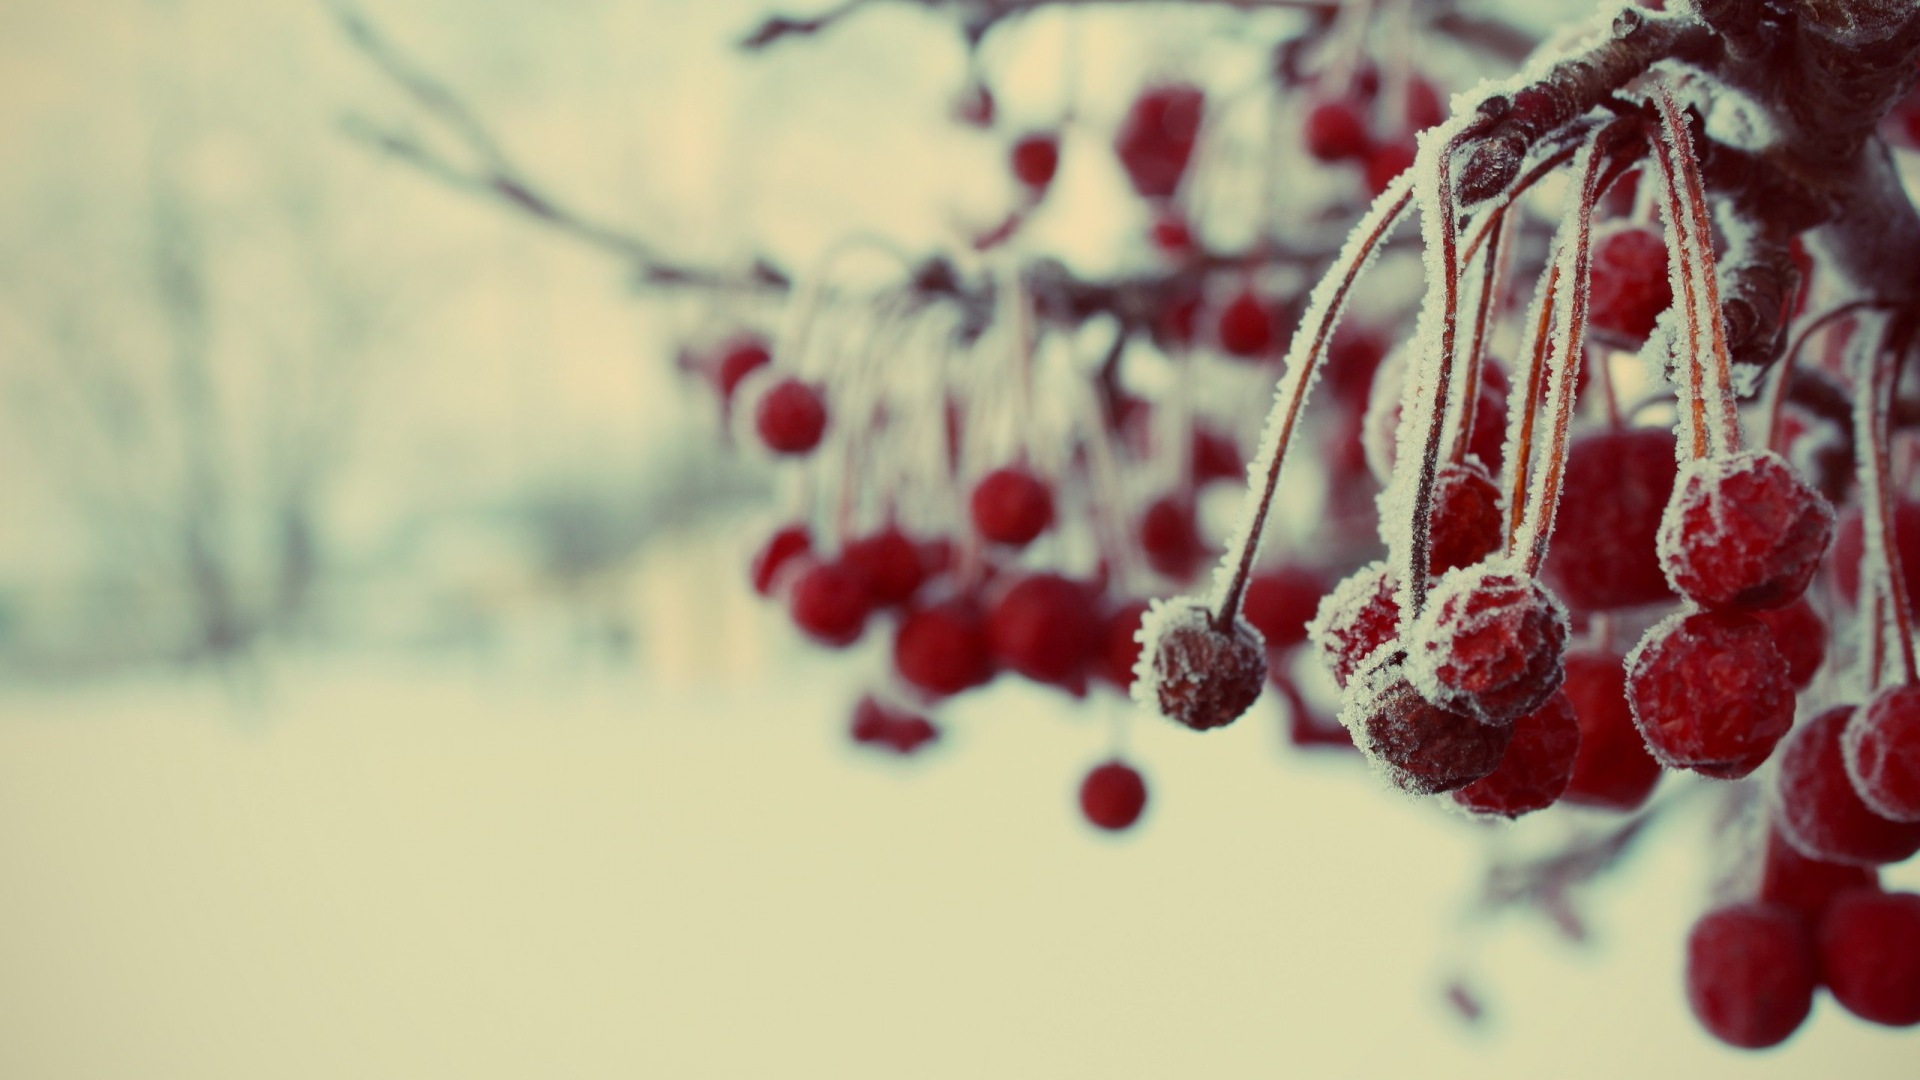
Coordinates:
(1194, 673)
(1743, 530)
(1710, 693)
(1818, 809)
(1882, 746)
(1113, 795)
(1421, 748)
(1534, 771)
(1489, 644)
(1750, 974)
(1869, 945)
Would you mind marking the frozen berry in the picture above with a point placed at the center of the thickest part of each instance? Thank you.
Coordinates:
(892, 563)
(1710, 693)
(777, 554)
(1113, 795)
(1807, 885)
(1468, 521)
(1870, 955)
(1045, 628)
(1488, 644)
(1247, 327)
(1801, 636)
(1614, 770)
(791, 417)
(1195, 673)
(1421, 748)
(1382, 425)
(1614, 491)
(831, 603)
(1630, 285)
(1534, 771)
(1336, 131)
(1818, 809)
(1750, 974)
(1170, 538)
(1120, 644)
(1360, 615)
(1035, 157)
(1156, 139)
(1011, 506)
(942, 650)
(1280, 602)
(1743, 530)
(1882, 747)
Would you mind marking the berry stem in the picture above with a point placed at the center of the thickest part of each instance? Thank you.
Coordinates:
(1490, 274)
(1878, 371)
(1777, 399)
(1519, 452)
(1712, 411)
(1438, 211)
(1305, 354)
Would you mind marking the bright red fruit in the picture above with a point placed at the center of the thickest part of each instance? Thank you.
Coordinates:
(1488, 644)
(1336, 131)
(1386, 161)
(1630, 284)
(1156, 139)
(892, 564)
(1806, 885)
(1750, 974)
(1423, 749)
(1870, 955)
(1113, 795)
(776, 554)
(1247, 328)
(1170, 537)
(1801, 636)
(1279, 603)
(830, 603)
(1171, 234)
(1011, 506)
(1615, 489)
(942, 650)
(791, 418)
(1818, 809)
(1710, 693)
(1035, 158)
(1743, 531)
(740, 358)
(1045, 628)
(1613, 771)
(1216, 457)
(1468, 520)
(1199, 675)
(1424, 106)
(1534, 771)
(1882, 747)
(1360, 615)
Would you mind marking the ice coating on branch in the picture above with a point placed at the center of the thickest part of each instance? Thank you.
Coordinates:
(1357, 619)
(1489, 643)
(1194, 673)
(1700, 339)
(1743, 530)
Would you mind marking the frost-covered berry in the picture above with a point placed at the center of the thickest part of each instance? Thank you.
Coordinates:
(1359, 616)
(1613, 771)
(1113, 795)
(831, 603)
(1420, 748)
(1488, 644)
(1120, 644)
(1882, 747)
(778, 553)
(1818, 809)
(1750, 974)
(1045, 628)
(1807, 885)
(942, 650)
(1247, 328)
(791, 417)
(1034, 159)
(1336, 131)
(1614, 491)
(1801, 636)
(1194, 672)
(891, 562)
(1630, 284)
(1743, 530)
(1534, 771)
(1710, 693)
(1468, 523)
(1381, 428)
(1011, 506)
(1869, 945)
(1280, 602)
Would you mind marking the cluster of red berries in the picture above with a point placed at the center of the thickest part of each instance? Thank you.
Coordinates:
(1374, 131)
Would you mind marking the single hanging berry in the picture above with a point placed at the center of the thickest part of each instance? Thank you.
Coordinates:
(1882, 747)
(1280, 602)
(1194, 672)
(1818, 809)
(1710, 693)
(1170, 537)
(1247, 328)
(1616, 488)
(1751, 972)
(1870, 955)
(1630, 285)
(1034, 159)
(791, 418)
(1534, 771)
(1011, 506)
(740, 358)
(831, 603)
(1488, 644)
(1156, 139)
(1743, 530)
(902, 733)
(1335, 130)
(1113, 795)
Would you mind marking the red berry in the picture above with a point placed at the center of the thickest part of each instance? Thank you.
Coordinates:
(1709, 692)
(831, 603)
(1847, 546)
(1120, 644)
(1424, 107)
(791, 418)
(1360, 615)
(1806, 885)
(1035, 157)
(883, 728)
(1386, 161)
(1534, 771)
(1195, 673)
(1630, 285)
(942, 650)
(741, 357)
(1171, 234)
(1422, 748)
(1336, 131)
(1870, 955)
(1614, 770)
(1801, 636)
(1488, 644)
(1156, 139)
(777, 554)
(1113, 795)
(1468, 521)
(1011, 506)
(1743, 530)
(1821, 813)
(1750, 974)
(892, 564)
(1044, 627)
(1382, 423)
(1216, 457)
(1280, 602)
(1247, 329)
(1353, 357)
(1614, 491)
(1170, 537)
(1882, 748)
